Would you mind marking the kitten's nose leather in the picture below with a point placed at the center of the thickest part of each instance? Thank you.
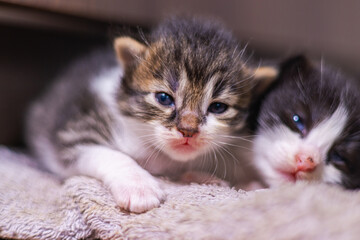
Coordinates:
(187, 133)
(304, 162)
(188, 124)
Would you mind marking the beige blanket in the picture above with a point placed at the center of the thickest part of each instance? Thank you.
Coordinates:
(34, 205)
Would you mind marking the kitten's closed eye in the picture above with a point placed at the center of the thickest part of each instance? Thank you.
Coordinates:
(337, 160)
(164, 99)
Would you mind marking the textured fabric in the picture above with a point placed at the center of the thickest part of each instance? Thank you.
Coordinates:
(34, 205)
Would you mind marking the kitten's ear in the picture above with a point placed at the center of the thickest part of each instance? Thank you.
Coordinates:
(294, 66)
(264, 77)
(128, 51)
(267, 76)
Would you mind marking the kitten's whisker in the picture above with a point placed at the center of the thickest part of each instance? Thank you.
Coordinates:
(246, 61)
(146, 139)
(224, 161)
(160, 150)
(235, 49)
(241, 53)
(149, 142)
(148, 158)
(155, 150)
(146, 128)
(147, 135)
(233, 145)
(202, 162)
(215, 150)
(147, 146)
(236, 161)
(222, 147)
(244, 48)
(237, 137)
(216, 161)
(247, 78)
(142, 36)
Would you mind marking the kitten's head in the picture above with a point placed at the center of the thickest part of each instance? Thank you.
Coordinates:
(309, 127)
(189, 83)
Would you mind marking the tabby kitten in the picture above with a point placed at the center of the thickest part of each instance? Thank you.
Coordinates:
(150, 110)
(309, 126)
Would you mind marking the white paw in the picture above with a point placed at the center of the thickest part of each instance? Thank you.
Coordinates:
(137, 191)
(133, 188)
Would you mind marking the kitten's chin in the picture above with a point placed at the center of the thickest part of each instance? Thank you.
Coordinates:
(183, 149)
(183, 153)
(283, 177)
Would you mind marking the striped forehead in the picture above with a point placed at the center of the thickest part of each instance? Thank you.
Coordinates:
(191, 71)
(195, 94)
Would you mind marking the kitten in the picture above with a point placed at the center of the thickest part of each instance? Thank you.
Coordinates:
(159, 108)
(309, 127)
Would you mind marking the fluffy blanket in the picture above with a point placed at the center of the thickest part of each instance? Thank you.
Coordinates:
(35, 205)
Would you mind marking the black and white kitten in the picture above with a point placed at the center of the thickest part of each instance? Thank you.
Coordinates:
(309, 127)
(148, 109)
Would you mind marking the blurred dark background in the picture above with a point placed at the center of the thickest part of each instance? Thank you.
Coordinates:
(38, 38)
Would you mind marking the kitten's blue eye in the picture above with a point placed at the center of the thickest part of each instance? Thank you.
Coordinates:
(164, 99)
(217, 107)
(299, 123)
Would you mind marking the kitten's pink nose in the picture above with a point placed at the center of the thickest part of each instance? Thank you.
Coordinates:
(304, 162)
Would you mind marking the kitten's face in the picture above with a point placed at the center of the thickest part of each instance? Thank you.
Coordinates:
(191, 88)
(309, 128)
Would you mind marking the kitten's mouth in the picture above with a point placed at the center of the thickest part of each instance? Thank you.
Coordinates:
(185, 145)
(293, 176)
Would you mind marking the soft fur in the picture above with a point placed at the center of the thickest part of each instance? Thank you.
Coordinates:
(309, 126)
(103, 118)
(34, 205)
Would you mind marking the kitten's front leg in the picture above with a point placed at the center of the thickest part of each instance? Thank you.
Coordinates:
(133, 188)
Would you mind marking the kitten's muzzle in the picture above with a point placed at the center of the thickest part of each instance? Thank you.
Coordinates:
(188, 124)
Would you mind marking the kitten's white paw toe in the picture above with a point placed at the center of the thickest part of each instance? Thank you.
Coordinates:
(137, 194)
